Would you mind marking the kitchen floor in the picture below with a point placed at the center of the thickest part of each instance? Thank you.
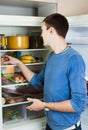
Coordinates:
(84, 119)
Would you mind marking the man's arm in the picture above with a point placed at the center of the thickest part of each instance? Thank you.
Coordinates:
(25, 70)
(38, 105)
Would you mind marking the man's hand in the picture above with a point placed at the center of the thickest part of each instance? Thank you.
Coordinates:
(37, 105)
(10, 60)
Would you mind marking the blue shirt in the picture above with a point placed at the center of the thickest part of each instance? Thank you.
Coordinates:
(63, 78)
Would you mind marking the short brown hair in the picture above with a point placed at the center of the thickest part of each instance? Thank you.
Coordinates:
(59, 22)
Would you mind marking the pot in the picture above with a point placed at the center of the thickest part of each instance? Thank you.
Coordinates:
(17, 42)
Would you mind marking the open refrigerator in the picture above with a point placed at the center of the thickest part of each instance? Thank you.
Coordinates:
(14, 89)
(14, 115)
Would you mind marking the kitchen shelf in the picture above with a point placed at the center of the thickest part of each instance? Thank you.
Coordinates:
(14, 104)
(37, 63)
(8, 105)
(14, 84)
(28, 3)
(20, 103)
(13, 20)
(25, 50)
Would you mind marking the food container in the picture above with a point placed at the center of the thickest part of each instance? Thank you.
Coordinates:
(36, 42)
(3, 100)
(13, 99)
(1, 41)
(13, 113)
(17, 42)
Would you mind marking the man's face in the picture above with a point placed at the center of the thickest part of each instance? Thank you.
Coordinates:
(45, 34)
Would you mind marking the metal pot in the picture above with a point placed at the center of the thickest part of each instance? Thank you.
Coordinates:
(17, 42)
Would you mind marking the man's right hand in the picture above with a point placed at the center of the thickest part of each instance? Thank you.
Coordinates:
(10, 60)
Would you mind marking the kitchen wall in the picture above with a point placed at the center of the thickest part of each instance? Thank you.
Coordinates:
(73, 7)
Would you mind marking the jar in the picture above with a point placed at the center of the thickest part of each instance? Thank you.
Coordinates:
(1, 40)
(36, 42)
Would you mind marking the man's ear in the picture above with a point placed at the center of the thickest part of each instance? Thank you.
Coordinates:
(52, 30)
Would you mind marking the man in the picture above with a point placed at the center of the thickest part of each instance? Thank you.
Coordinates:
(63, 78)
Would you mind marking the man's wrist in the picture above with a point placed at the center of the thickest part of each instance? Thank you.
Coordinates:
(19, 63)
(46, 106)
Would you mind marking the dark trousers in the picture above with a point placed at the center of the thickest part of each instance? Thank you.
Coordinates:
(78, 128)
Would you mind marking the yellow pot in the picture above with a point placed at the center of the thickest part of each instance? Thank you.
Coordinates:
(17, 42)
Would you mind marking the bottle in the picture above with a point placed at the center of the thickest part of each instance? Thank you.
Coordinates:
(1, 37)
(4, 43)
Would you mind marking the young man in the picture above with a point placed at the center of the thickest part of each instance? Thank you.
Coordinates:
(63, 78)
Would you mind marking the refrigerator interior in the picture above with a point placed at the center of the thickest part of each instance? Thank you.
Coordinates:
(77, 38)
(19, 112)
(16, 112)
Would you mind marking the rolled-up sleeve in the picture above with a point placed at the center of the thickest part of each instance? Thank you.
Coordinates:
(76, 76)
